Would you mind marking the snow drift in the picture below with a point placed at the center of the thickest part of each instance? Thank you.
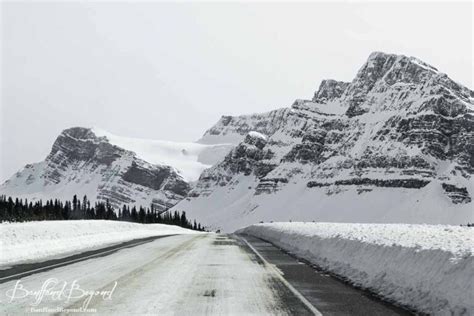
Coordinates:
(429, 268)
(38, 241)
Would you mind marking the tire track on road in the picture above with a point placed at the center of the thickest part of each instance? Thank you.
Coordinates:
(131, 277)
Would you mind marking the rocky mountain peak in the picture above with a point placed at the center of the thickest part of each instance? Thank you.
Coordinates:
(396, 144)
(379, 64)
(401, 83)
(82, 144)
(390, 69)
(82, 133)
(83, 163)
(329, 90)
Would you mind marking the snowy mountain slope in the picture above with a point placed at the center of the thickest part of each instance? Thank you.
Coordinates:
(104, 166)
(394, 145)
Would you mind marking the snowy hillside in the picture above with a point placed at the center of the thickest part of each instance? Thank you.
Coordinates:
(394, 145)
(427, 268)
(123, 170)
(39, 241)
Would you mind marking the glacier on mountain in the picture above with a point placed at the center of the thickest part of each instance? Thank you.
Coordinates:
(122, 170)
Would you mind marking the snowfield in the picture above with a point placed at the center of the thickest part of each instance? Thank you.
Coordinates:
(236, 205)
(429, 268)
(190, 159)
(39, 241)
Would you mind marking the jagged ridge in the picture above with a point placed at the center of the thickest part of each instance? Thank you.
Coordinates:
(82, 163)
(400, 128)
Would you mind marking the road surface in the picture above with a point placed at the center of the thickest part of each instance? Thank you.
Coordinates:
(203, 274)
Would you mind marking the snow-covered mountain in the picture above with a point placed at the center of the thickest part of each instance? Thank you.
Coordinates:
(123, 170)
(394, 145)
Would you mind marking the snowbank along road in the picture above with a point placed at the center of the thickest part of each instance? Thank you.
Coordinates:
(203, 274)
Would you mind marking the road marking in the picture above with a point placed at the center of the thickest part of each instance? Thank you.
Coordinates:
(278, 273)
(76, 260)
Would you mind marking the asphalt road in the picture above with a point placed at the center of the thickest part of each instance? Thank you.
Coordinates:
(328, 294)
(22, 270)
(204, 274)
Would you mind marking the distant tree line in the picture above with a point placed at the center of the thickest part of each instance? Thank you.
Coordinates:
(19, 210)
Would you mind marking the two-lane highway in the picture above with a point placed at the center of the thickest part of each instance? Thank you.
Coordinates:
(203, 274)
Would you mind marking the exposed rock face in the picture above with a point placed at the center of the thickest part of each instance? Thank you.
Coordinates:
(248, 158)
(458, 195)
(233, 128)
(400, 129)
(84, 164)
(393, 82)
(329, 90)
(310, 149)
(399, 183)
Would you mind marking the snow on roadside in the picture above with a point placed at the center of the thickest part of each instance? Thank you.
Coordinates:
(429, 268)
(39, 241)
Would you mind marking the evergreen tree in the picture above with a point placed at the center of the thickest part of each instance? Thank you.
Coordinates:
(84, 207)
(18, 210)
(141, 215)
(134, 215)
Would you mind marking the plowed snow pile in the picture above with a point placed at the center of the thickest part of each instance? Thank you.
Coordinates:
(38, 241)
(429, 268)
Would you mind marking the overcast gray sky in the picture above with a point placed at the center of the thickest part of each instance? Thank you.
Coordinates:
(170, 70)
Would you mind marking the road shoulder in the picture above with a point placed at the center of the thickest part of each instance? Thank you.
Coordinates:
(327, 294)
